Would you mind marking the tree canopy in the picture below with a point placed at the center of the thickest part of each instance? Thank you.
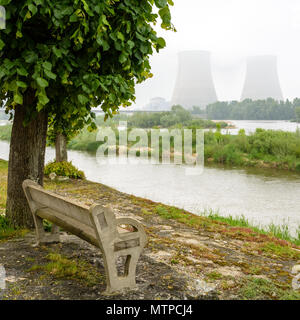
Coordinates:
(61, 58)
(248, 109)
(78, 54)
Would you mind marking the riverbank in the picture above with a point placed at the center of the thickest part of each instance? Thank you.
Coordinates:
(266, 149)
(261, 149)
(187, 256)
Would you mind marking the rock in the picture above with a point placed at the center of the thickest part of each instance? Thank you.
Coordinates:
(204, 287)
(61, 179)
(296, 269)
(202, 291)
(230, 271)
(190, 241)
(52, 176)
(164, 233)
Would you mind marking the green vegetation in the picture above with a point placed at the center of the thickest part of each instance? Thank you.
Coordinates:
(271, 248)
(7, 231)
(62, 267)
(64, 169)
(248, 109)
(278, 231)
(59, 59)
(211, 219)
(264, 148)
(257, 288)
(178, 117)
(214, 275)
(3, 182)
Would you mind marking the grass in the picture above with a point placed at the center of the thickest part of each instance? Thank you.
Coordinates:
(257, 288)
(278, 231)
(8, 232)
(3, 178)
(61, 267)
(213, 218)
(271, 248)
(214, 275)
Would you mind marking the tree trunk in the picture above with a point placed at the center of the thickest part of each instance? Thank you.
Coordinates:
(61, 148)
(26, 161)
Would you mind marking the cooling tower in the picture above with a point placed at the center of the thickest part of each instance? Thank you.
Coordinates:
(262, 80)
(194, 84)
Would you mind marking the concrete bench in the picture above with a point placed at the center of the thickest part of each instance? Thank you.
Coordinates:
(96, 224)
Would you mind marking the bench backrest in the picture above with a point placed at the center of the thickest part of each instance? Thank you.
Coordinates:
(43, 198)
(96, 224)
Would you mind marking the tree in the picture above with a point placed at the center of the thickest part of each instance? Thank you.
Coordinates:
(75, 53)
(66, 124)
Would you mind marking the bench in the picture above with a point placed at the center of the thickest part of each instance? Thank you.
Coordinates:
(96, 224)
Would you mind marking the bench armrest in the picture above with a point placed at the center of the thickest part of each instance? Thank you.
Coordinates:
(139, 229)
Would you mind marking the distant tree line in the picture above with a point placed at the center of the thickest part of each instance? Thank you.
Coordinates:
(177, 117)
(248, 109)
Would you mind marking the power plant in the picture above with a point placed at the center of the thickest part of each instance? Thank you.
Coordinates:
(194, 84)
(262, 80)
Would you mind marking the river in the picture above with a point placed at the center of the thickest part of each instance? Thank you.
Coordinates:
(262, 196)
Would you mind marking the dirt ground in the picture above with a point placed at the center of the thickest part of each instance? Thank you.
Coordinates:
(190, 258)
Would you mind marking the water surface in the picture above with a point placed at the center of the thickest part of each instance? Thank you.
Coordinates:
(263, 196)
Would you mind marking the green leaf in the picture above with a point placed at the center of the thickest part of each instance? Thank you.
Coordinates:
(82, 99)
(5, 2)
(47, 65)
(42, 82)
(165, 15)
(28, 16)
(130, 44)
(73, 17)
(57, 52)
(21, 84)
(120, 36)
(122, 58)
(161, 42)
(18, 98)
(22, 71)
(19, 34)
(2, 44)
(12, 86)
(32, 8)
(30, 56)
(50, 74)
(43, 99)
(161, 3)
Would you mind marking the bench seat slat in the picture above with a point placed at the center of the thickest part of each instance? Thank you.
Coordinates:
(69, 224)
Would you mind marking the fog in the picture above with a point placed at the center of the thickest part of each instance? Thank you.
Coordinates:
(231, 30)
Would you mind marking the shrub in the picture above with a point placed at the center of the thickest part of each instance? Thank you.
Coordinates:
(65, 169)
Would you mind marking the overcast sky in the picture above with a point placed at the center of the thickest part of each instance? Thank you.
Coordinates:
(231, 30)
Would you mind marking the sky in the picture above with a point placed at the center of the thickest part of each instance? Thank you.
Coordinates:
(231, 30)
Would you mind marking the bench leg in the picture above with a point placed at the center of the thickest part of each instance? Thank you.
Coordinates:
(55, 229)
(128, 280)
(41, 236)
